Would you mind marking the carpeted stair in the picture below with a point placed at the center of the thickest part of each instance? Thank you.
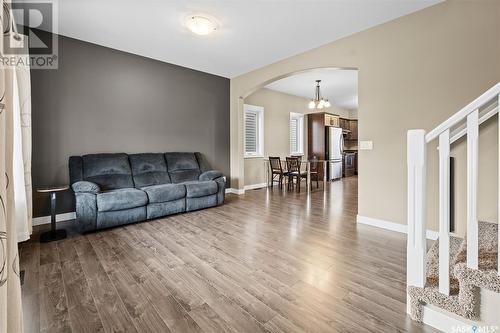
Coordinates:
(464, 282)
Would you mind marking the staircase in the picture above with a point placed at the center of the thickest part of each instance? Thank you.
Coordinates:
(450, 275)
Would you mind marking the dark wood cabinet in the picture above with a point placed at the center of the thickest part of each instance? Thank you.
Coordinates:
(331, 119)
(317, 125)
(349, 164)
(353, 128)
(356, 164)
(344, 123)
(316, 138)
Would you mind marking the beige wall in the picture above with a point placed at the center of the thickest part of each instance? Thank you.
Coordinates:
(343, 113)
(277, 108)
(414, 72)
(353, 114)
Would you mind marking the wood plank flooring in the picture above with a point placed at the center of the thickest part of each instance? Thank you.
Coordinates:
(267, 261)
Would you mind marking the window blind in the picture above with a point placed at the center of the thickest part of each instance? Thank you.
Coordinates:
(294, 128)
(251, 132)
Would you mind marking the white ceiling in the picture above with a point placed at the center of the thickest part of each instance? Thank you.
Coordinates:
(338, 85)
(252, 33)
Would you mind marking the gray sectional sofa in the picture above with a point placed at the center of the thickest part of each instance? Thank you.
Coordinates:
(116, 189)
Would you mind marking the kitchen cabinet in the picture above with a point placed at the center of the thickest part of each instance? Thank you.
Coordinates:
(316, 137)
(344, 123)
(349, 164)
(317, 125)
(331, 120)
(356, 164)
(353, 128)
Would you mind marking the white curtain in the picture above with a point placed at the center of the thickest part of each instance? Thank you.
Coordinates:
(15, 200)
(22, 150)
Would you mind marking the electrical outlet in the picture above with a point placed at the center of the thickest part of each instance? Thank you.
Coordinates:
(366, 145)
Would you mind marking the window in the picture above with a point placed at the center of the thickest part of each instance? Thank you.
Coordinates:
(254, 130)
(296, 133)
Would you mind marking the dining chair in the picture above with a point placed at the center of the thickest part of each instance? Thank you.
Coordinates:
(299, 157)
(276, 171)
(313, 170)
(293, 167)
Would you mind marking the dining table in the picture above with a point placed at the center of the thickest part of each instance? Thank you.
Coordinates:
(307, 164)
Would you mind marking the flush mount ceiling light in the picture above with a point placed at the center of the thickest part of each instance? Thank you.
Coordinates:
(200, 25)
(318, 102)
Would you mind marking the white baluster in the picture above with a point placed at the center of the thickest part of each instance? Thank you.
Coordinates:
(444, 212)
(472, 177)
(416, 241)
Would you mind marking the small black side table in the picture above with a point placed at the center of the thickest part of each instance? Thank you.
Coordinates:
(53, 234)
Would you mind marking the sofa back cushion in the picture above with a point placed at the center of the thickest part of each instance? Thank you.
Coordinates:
(149, 169)
(182, 167)
(109, 171)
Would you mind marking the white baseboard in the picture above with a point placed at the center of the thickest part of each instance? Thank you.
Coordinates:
(255, 186)
(237, 191)
(449, 323)
(402, 228)
(240, 191)
(59, 217)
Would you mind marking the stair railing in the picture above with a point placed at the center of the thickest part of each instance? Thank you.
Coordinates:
(464, 122)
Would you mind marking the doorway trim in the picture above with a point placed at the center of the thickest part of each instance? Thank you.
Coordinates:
(237, 160)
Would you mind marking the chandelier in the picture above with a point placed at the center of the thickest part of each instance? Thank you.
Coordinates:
(318, 102)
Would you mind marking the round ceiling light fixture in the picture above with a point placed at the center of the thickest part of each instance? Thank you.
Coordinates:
(201, 25)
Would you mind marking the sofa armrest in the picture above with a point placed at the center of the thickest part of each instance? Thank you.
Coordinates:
(210, 175)
(86, 211)
(85, 187)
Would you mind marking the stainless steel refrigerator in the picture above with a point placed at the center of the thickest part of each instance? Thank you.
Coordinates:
(335, 150)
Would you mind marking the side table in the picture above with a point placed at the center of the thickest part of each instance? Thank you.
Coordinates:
(53, 234)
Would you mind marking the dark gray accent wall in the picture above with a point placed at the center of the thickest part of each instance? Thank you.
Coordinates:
(104, 100)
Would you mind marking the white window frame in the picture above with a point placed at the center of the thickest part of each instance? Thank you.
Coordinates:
(259, 111)
(300, 133)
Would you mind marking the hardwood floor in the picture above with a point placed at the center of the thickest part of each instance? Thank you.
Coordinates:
(268, 261)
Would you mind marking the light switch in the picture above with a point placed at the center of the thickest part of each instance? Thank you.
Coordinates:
(366, 145)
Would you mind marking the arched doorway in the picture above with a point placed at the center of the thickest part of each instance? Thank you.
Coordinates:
(237, 119)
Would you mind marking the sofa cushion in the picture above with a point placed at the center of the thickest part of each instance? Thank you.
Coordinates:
(196, 189)
(184, 176)
(182, 167)
(181, 161)
(200, 203)
(202, 162)
(75, 165)
(160, 209)
(149, 169)
(165, 192)
(125, 198)
(120, 217)
(109, 171)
